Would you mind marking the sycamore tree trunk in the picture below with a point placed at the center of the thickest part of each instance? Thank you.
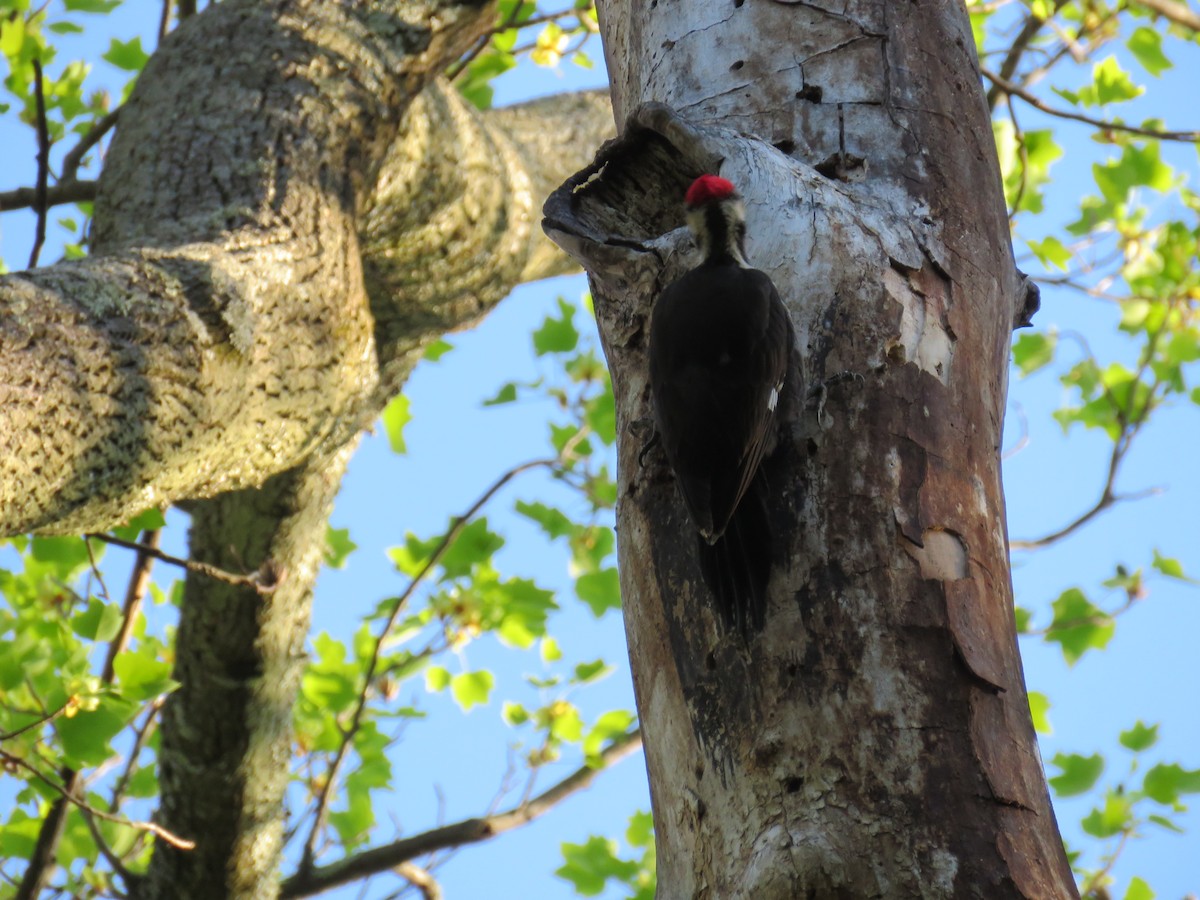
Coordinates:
(292, 208)
(874, 740)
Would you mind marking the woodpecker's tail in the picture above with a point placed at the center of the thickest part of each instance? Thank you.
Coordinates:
(737, 567)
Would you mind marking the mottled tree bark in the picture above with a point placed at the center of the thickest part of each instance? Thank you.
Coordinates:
(291, 209)
(874, 740)
(273, 248)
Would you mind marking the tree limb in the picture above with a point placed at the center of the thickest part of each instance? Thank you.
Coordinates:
(1036, 102)
(467, 831)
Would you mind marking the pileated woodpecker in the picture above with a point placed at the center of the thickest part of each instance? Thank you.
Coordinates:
(720, 339)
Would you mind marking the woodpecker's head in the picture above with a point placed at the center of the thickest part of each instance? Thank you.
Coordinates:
(717, 219)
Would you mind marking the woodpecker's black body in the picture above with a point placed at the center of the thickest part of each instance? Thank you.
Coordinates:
(720, 339)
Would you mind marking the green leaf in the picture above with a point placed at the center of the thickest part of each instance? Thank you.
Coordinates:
(1024, 619)
(1140, 737)
(474, 545)
(99, 622)
(1146, 46)
(149, 520)
(553, 521)
(437, 678)
(601, 414)
(472, 688)
(64, 28)
(67, 554)
(550, 650)
(141, 675)
(1166, 781)
(585, 672)
(1164, 822)
(601, 591)
(1034, 350)
(1115, 817)
(589, 866)
(338, 546)
(85, 736)
(91, 6)
(564, 721)
(437, 350)
(1137, 167)
(1039, 710)
(612, 724)
(506, 394)
(557, 335)
(514, 713)
(641, 829)
(1170, 567)
(1079, 773)
(1079, 626)
(354, 823)
(1138, 890)
(1110, 84)
(127, 55)
(395, 417)
(1052, 252)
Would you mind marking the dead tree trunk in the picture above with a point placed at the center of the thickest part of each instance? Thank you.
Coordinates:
(874, 740)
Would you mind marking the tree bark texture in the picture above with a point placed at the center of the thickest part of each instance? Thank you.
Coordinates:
(277, 236)
(292, 208)
(874, 740)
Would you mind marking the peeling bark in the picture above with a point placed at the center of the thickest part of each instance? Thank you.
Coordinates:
(874, 740)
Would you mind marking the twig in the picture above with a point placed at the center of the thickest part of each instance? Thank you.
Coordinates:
(43, 164)
(1037, 103)
(421, 880)
(141, 735)
(264, 581)
(139, 581)
(74, 158)
(1008, 66)
(41, 720)
(1178, 13)
(164, 20)
(41, 861)
(1022, 152)
(58, 195)
(118, 866)
(459, 67)
(467, 831)
(157, 830)
(456, 527)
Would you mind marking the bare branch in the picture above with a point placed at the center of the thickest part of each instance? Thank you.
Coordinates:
(62, 193)
(74, 158)
(1029, 30)
(264, 581)
(43, 164)
(1179, 13)
(1036, 102)
(139, 581)
(41, 720)
(467, 831)
(69, 795)
(421, 879)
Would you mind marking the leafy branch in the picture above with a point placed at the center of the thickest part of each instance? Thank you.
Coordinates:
(306, 883)
(1036, 102)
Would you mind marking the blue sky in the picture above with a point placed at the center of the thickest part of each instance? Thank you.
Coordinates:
(450, 765)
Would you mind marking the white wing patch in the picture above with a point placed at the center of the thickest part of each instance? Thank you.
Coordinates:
(772, 399)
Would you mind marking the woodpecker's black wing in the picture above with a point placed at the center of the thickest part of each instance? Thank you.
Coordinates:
(720, 339)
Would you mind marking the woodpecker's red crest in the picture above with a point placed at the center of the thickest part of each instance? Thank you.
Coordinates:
(720, 340)
(707, 188)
